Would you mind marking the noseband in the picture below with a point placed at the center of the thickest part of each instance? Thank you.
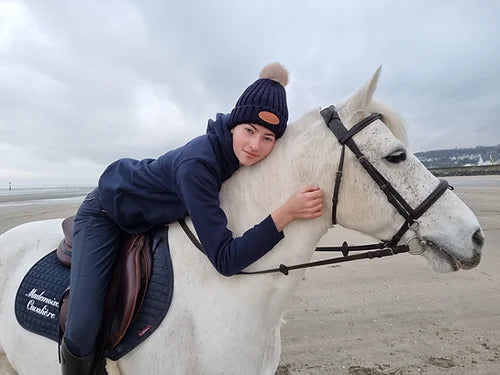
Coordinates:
(416, 244)
(410, 215)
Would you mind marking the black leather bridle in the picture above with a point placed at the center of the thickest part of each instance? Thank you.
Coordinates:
(416, 244)
(410, 215)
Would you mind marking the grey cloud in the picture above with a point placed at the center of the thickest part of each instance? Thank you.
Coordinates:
(84, 83)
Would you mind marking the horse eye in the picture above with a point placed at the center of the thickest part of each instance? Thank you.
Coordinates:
(396, 157)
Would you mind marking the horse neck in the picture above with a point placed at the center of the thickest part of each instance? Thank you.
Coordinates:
(302, 157)
(306, 155)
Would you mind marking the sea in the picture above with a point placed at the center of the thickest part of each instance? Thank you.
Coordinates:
(41, 195)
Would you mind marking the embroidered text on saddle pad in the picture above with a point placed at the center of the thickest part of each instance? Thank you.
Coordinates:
(37, 299)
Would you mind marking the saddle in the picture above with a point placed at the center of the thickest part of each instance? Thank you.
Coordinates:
(128, 285)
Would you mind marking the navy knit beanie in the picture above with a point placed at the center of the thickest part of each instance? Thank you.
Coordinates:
(264, 101)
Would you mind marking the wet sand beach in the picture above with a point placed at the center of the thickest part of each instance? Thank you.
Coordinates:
(395, 316)
(392, 316)
(20, 212)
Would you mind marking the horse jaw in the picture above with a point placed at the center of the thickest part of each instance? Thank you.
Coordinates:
(459, 247)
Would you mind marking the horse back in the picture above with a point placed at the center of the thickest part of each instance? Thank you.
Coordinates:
(22, 246)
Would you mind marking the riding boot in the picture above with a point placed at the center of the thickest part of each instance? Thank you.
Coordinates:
(73, 365)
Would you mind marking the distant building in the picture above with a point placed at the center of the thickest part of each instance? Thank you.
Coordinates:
(460, 157)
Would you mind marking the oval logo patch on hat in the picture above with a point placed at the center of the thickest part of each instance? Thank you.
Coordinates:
(269, 117)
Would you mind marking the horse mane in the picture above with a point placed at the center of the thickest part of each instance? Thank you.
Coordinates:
(304, 137)
(310, 148)
(310, 130)
(293, 164)
(390, 117)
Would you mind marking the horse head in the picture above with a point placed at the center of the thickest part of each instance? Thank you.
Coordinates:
(309, 153)
(448, 227)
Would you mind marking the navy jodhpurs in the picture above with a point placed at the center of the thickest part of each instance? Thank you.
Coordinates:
(96, 240)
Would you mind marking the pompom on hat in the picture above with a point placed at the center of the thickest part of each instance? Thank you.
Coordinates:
(264, 101)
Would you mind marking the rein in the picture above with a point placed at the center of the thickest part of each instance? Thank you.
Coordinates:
(415, 245)
(383, 251)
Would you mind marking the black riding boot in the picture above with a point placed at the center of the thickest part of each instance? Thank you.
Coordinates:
(73, 365)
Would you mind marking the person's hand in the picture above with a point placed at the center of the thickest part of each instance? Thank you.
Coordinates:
(307, 203)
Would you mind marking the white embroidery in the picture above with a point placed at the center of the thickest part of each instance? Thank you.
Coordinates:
(44, 311)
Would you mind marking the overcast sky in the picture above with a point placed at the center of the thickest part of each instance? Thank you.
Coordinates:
(83, 83)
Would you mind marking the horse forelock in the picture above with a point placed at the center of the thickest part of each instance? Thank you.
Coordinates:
(391, 118)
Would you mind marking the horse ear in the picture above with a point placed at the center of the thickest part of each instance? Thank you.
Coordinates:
(370, 87)
(354, 108)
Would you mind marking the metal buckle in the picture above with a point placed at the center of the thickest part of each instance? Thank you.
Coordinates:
(416, 244)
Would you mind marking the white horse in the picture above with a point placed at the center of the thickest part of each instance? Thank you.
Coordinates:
(219, 325)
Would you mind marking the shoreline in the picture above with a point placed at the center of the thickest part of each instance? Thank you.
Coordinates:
(35, 195)
(473, 170)
(40, 200)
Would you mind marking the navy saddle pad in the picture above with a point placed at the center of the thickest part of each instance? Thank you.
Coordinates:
(38, 296)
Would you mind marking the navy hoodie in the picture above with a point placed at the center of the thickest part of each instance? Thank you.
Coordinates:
(140, 195)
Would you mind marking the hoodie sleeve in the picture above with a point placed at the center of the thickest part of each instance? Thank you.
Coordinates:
(199, 191)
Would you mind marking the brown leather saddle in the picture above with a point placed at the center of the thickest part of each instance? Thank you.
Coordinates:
(127, 287)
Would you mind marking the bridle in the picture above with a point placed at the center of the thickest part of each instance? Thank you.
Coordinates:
(415, 245)
(410, 215)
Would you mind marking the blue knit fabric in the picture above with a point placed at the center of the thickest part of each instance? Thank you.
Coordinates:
(143, 194)
(264, 95)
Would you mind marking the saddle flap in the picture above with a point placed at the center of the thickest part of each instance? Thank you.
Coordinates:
(130, 280)
(146, 268)
(134, 270)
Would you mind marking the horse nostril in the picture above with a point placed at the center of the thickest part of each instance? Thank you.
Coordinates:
(478, 238)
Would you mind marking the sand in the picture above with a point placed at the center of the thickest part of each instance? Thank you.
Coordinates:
(396, 316)
(24, 212)
(392, 316)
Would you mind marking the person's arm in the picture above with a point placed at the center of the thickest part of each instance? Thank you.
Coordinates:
(305, 204)
(199, 191)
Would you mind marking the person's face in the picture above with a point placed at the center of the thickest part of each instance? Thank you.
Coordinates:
(252, 143)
